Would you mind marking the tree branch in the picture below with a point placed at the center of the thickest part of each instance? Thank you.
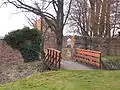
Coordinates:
(68, 12)
(31, 22)
(54, 5)
(48, 4)
(49, 15)
(38, 11)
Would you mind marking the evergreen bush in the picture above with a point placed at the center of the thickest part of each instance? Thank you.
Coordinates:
(28, 41)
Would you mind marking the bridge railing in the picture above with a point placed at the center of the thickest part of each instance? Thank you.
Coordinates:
(88, 56)
(52, 59)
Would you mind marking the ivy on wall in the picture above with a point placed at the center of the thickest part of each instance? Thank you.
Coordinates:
(28, 41)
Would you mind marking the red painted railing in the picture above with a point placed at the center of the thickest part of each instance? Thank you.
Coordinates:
(53, 59)
(88, 56)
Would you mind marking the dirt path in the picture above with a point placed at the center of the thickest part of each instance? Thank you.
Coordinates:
(70, 65)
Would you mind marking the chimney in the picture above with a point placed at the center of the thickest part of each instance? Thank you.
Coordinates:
(119, 33)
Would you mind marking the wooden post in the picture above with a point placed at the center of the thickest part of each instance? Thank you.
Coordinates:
(59, 60)
(101, 67)
(52, 59)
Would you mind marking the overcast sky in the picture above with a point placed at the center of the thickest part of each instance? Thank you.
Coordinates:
(10, 21)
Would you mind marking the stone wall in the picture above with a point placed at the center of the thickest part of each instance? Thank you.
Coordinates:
(49, 40)
(115, 46)
(9, 55)
(108, 46)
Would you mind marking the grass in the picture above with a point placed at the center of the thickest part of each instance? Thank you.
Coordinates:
(68, 80)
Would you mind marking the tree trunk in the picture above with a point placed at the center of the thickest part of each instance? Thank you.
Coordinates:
(102, 18)
(42, 52)
(92, 17)
(85, 43)
(108, 33)
(59, 37)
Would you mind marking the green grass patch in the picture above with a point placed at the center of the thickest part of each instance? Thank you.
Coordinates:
(68, 80)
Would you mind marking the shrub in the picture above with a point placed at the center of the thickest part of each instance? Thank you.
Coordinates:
(111, 62)
(28, 41)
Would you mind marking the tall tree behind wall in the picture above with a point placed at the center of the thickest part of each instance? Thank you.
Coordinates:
(80, 19)
(115, 16)
(100, 17)
(92, 17)
(55, 20)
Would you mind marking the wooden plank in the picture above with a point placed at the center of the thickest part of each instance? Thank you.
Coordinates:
(87, 61)
(97, 52)
(89, 53)
(54, 50)
(89, 58)
(52, 58)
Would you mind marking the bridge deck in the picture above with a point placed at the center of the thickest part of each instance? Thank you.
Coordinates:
(70, 65)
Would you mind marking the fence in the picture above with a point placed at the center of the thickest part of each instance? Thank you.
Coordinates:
(52, 59)
(89, 57)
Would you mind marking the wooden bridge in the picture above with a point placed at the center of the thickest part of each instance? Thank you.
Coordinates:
(87, 58)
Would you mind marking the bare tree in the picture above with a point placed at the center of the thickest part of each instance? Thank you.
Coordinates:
(93, 17)
(96, 19)
(115, 16)
(31, 20)
(56, 21)
(80, 18)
